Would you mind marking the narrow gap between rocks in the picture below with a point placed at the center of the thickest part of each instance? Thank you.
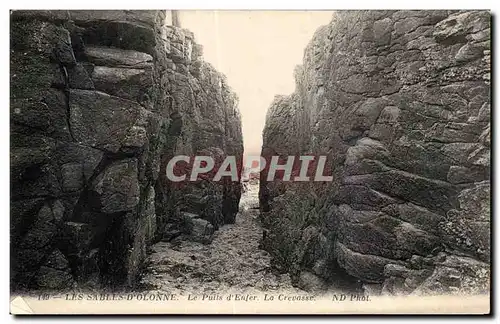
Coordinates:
(232, 261)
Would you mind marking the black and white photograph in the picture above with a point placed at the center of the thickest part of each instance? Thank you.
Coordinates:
(250, 161)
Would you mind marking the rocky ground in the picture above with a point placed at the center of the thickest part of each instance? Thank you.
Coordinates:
(232, 261)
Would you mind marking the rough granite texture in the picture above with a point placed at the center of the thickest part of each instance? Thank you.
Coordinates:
(100, 100)
(400, 103)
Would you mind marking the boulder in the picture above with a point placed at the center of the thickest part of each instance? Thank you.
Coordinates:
(118, 186)
(199, 230)
(113, 57)
(100, 120)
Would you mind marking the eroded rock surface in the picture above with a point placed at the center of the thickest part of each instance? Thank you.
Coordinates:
(400, 103)
(100, 100)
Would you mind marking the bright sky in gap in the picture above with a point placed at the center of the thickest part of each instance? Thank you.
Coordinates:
(257, 51)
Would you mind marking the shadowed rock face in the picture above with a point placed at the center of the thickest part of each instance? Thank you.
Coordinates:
(100, 100)
(400, 102)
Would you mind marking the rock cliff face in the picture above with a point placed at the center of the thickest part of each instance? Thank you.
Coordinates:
(100, 101)
(400, 103)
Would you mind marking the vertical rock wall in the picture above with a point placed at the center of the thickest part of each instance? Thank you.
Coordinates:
(400, 103)
(100, 100)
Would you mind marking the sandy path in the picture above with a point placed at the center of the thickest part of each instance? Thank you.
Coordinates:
(232, 261)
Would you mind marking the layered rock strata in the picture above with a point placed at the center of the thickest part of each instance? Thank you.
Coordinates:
(400, 103)
(100, 100)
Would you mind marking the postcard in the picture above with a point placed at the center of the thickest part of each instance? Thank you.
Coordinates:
(250, 162)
